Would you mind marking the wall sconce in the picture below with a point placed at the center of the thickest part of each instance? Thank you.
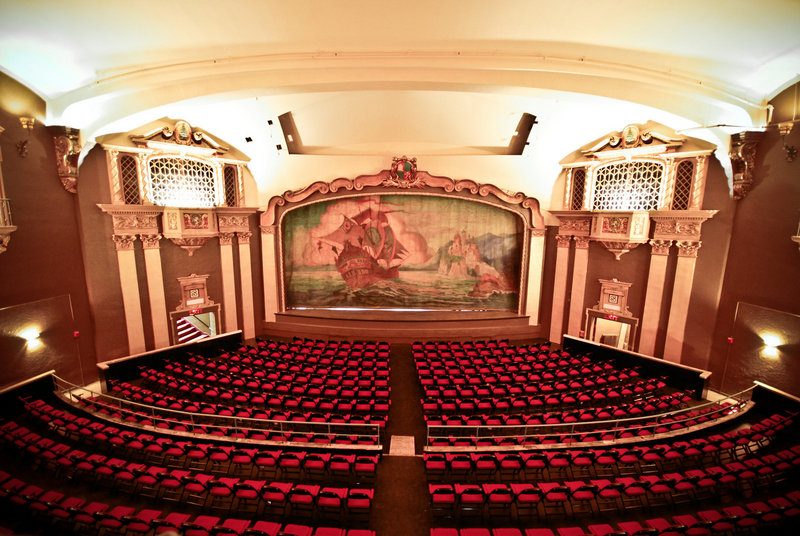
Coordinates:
(31, 336)
(785, 129)
(771, 343)
(22, 146)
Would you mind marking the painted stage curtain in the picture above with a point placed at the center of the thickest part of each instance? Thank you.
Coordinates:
(402, 252)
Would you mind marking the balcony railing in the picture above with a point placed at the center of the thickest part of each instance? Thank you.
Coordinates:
(361, 436)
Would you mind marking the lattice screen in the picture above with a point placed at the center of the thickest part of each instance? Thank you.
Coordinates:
(182, 182)
(130, 179)
(628, 186)
(231, 186)
(683, 185)
(578, 187)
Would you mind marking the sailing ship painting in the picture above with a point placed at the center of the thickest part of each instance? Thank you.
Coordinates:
(402, 251)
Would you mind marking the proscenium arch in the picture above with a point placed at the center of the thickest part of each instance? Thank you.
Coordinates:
(524, 207)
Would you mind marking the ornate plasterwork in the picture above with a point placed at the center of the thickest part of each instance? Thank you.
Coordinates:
(268, 229)
(418, 179)
(5, 236)
(619, 248)
(573, 223)
(226, 239)
(563, 240)
(150, 241)
(581, 242)
(679, 224)
(191, 244)
(687, 248)
(68, 147)
(124, 242)
(243, 238)
(743, 159)
(133, 219)
(660, 247)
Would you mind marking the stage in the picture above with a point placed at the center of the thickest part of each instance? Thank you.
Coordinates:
(402, 326)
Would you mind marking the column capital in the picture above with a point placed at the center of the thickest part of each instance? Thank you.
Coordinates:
(687, 248)
(150, 241)
(243, 238)
(226, 239)
(660, 247)
(563, 240)
(581, 242)
(268, 229)
(124, 242)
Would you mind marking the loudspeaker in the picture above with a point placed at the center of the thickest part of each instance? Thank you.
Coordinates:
(520, 138)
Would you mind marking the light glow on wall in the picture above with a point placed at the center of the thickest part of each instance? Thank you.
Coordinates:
(771, 343)
(31, 336)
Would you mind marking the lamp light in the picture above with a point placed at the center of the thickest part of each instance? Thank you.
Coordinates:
(22, 146)
(31, 336)
(771, 343)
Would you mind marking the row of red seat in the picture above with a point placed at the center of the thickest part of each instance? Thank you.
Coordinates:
(374, 411)
(259, 381)
(493, 412)
(295, 431)
(323, 399)
(203, 490)
(776, 514)
(300, 386)
(644, 429)
(297, 361)
(619, 494)
(261, 462)
(62, 513)
(549, 464)
(315, 344)
(275, 368)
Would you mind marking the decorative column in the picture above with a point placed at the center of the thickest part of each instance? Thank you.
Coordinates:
(246, 273)
(560, 288)
(129, 283)
(229, 304)
(683, 227)
(654, 295)
(155, 289)
(580, 265)
(129, 221)
(681, 294)
(535, 273)
(270, 272)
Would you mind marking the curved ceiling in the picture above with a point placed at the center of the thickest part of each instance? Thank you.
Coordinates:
(367, 77)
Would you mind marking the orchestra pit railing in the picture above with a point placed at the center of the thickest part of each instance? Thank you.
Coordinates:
(574, 433)
(320, 434)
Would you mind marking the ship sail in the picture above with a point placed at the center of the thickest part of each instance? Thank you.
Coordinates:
(367, 248)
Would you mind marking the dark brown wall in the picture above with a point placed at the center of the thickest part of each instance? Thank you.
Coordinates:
(43, 264)
(763, 263)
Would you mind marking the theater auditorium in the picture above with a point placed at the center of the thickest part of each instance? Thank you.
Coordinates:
(451, 268)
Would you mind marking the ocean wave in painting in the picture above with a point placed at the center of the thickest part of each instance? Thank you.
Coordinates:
(413, 290)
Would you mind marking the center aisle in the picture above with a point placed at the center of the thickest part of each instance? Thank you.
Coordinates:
(401, 504)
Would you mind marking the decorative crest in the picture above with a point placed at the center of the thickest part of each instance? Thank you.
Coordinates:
(404, 173)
